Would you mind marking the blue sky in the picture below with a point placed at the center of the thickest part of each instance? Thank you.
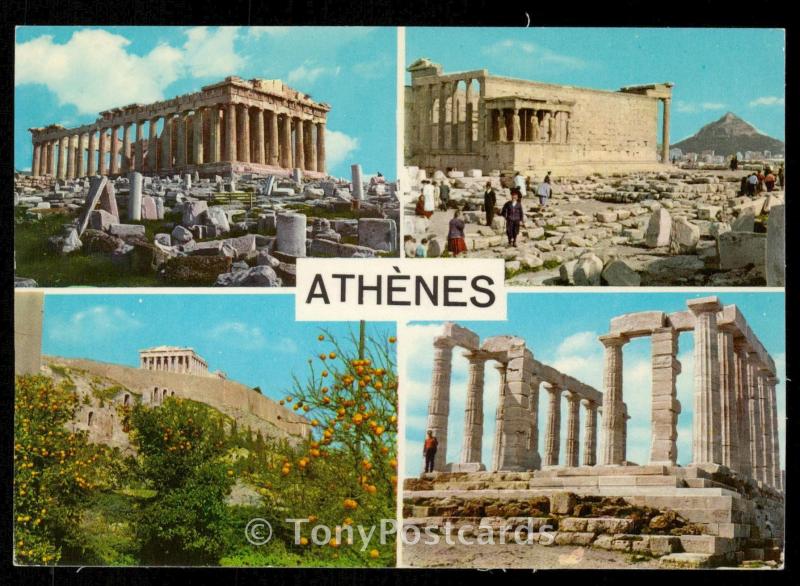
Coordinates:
(714, 70)
(561, 329)
(252, 338)
(68, 75)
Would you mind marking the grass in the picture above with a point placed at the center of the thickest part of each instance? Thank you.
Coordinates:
(548, 265)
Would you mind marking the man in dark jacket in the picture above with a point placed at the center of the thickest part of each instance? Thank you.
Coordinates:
(512, 212)
(489, 202)
(429, 451)
(444, 195)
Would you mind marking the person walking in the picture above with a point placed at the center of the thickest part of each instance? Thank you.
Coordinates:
(519, 183)
(752, 184)
(455, 235)
(780, 176)
(429, 451)
(514, 215)
(429, 196)
(545, 191)
(489, 202)
(444, 195)
(769, 181)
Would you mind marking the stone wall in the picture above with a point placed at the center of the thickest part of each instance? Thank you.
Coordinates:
(28, 316)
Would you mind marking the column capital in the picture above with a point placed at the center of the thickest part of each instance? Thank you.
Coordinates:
(590, 405)
(552, 388)
(475, 356)
(612, 340)
(704, 305)
(443, 342)
(571, 396)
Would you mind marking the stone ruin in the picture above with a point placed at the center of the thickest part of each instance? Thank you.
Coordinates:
(247, 230)
(676, 227)
(724, 507)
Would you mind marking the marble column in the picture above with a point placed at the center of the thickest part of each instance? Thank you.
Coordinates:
(589, 457)
(214, 135)
(198, 153)
(552, 434)
(665, 132)
(744, 465)
(138, 163)
(126, 148)
(613, 420)
(181, 122)
(439, 405)
(442, 115)
(260, 142)
(573, 429)
(765, 412)
(167, 150)
(102, 163)
(754, 403)
(454, 115)
(729, 428)
(91, 163)
(706, 445)
(115, 166)
(243, 148)
(152, 145)
(499, 419)
(299, 149)
(286, 142)
(62, 158)
(70, 171)
(37, 155)
(468, 117)
(274, 135)
(473, 413)
(777, 473)
(81, 157)
(230, 133)
(311, 145)
(321, 147)
(664, 406)
(533, 415)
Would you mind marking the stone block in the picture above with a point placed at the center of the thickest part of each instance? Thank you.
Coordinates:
(378, 234)
(739, 249)
(745, 222)
(776, 247)
(126, 230)
(181, 235)
(684, 236)
(102, 220)
(658, 229)
(258, 276)
(617, 273)
(194, 213)
(562, 503)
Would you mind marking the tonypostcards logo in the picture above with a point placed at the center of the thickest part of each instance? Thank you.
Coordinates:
(259, 531)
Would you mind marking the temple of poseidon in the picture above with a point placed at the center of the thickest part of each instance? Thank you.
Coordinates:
(474, 120)
(731, 492)
(256, 126)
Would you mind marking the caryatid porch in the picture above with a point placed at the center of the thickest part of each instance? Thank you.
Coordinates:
(257, 126)
(516, 442)
(735, 421)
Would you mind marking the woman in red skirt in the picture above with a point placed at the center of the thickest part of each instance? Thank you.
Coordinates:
(455, 235)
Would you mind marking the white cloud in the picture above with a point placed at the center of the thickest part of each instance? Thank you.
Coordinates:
(374, 69)
(768, 101)
(339, 147)
(211, 53)
(578, 342)
(307, 73)
(691, 107)
(531, 54)
(256, 32)
(93, 68)
(246, 337)
(99, 322)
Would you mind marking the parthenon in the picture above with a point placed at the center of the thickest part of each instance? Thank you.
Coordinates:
(473, 120)
(735, 418)
(255, 126)
(173, 359)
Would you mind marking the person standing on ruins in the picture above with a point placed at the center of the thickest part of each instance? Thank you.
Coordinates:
(769, 181)
(545, 191)
(752, 183)
(514, 215)
(489, 202)
(455, 235)
(444, 195)
(519, 183)
(429, 451)
(780, 176)
(429, 198)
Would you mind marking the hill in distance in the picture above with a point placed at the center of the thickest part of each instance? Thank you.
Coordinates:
(728, 135)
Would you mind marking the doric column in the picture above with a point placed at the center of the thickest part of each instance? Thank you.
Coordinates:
(180, 125)
(468, 115)
(311, 145)
(482, 118)
(37, 155)
(62, 158)
(765, 412)
(72, 148)
(442, 114)
(473, 413)
(454, 114)
(138, 163)
(664, 406)
(213, 135)
(665, 132)
(552, 434)
(729, 428)
(126, 148)
(744, 465)
(167, 151)
(573, 429)
(102, 163)
(197, 137)
(152, 145)
(80, 157)
(115, 150)
(589, 433)
(706, 445)
(230, 133)
(516, 129)
(500, 419)
(243, 146)
(439, 405)
(613, 420)
(777, 473)
(321, 147)
(91, 163)
(259, 141)
(286, 142)
(533, 420)
(274, 135)
(754, 403)
(299, 149)
(45, 157)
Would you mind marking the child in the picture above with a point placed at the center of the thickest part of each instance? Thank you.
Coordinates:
(421, 248)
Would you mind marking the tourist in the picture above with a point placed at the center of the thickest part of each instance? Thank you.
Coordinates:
(455, 235)
(421, 251)
(512, 212)
(436, 193)
(489, 202)
(734, 163)
(519, 183)
(769, 181)
(409, 245)
(545, 191)
(760, 177)
(429, 451)
(429, 194)
(780, 176)
(752, 183)
(444, 195)
(743, 185)
(419, 210)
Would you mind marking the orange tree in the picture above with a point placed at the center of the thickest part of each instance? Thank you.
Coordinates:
(182, 446)
(55, 470)
(345, 474)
